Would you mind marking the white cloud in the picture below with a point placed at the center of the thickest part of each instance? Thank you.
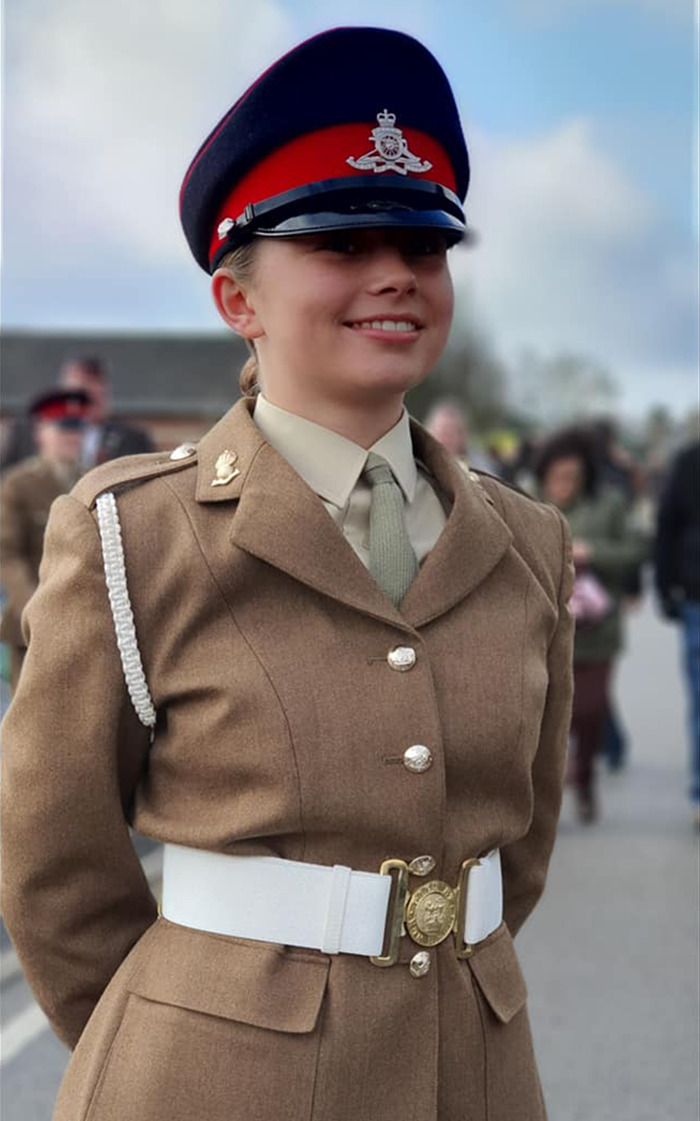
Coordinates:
(546, 9)
(574, 257)
(107, 103)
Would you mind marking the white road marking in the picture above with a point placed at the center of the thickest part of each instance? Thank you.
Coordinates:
(27, 1025)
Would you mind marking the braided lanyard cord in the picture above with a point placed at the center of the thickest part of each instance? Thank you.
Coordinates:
(119, 602)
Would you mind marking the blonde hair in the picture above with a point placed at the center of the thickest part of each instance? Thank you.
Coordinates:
(241, 262)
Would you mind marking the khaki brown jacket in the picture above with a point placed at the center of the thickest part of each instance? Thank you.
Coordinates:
(281, 729)
(26, 494)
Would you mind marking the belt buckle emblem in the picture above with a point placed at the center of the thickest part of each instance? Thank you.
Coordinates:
(431, 913)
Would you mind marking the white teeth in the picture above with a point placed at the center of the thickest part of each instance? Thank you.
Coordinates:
(386, 325)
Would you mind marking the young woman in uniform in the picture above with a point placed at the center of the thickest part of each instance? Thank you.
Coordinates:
(340, 688)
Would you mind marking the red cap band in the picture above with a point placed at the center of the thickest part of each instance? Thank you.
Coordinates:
(60, 410)
(324, 155)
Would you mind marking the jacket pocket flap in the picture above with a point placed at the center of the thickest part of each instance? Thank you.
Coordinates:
(498, 973)
(255, 983)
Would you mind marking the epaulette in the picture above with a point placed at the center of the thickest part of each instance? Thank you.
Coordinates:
(129, 470)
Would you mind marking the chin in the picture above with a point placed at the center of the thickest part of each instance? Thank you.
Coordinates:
(397, 377)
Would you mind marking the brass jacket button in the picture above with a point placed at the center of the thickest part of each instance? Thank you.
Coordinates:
(422, 865)
(419, 964)
(417, 758)
(402, 658)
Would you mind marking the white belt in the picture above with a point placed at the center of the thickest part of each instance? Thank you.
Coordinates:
(333, 909)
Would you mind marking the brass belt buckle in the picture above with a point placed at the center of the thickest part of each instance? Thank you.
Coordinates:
(396, 912)
(431, 913)
(462, 949)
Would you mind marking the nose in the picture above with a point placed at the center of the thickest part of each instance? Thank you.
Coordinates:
(390, 272)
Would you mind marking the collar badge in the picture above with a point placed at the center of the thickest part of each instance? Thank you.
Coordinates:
(390, 152)
(224, 469)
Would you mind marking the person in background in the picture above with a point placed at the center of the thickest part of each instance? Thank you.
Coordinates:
(605, 550)
(106, 437)
(503, 448)
(618, 471)
(447, 422)
(616, 467)
(27, 492)
(677, 580)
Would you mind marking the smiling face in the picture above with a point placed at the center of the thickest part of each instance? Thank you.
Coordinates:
(353, 317)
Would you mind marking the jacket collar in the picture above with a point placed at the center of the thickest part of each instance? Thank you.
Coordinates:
(327, 461)
(283, 522)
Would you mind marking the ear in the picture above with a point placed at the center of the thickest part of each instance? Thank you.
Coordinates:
(234, 305)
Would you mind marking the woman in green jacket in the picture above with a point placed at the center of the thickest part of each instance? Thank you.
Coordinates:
(605, 550)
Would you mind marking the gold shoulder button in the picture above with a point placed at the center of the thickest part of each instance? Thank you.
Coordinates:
(130, 470)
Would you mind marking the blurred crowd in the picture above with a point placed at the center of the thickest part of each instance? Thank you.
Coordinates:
(634, 524)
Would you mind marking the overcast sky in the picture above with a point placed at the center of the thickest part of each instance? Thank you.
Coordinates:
(580, 116)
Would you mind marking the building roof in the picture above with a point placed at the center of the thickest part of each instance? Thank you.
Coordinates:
(150, 375)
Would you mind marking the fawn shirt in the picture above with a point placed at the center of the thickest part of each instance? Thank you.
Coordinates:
(331, 465)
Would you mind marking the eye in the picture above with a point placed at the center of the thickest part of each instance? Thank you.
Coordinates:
(345, 244)
(425, 245)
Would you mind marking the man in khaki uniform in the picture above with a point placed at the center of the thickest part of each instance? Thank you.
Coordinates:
(26, 494)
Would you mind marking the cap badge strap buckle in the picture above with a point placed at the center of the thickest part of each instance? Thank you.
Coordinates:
(390, 152)
(429, 914)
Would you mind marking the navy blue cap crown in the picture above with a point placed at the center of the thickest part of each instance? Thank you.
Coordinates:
(357, 126)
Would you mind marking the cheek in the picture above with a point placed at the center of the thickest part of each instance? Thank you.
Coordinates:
(443, 308)
(299, 309)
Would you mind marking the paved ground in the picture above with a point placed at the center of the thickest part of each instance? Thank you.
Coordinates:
(610, 955)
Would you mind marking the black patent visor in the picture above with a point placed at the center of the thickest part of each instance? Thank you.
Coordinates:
(356, 202)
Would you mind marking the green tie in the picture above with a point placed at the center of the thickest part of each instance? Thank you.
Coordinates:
(392, 561)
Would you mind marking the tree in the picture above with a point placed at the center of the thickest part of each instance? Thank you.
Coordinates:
(561, 388)
(470, 373)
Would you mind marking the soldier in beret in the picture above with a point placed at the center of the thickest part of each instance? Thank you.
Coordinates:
(328, 668)
(27, 491)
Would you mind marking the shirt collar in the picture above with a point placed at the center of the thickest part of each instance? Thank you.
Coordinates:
(328, 462)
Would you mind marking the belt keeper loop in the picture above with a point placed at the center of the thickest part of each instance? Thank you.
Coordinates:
(335, 912)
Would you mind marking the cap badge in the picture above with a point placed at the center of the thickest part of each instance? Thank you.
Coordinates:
(224, 469)
(390, 152)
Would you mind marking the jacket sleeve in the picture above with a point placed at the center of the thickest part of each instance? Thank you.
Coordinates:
(75, 899)
(18, 579)
(526, 860)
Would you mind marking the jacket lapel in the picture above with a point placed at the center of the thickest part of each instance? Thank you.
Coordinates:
(474, 539)
(281, 521)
